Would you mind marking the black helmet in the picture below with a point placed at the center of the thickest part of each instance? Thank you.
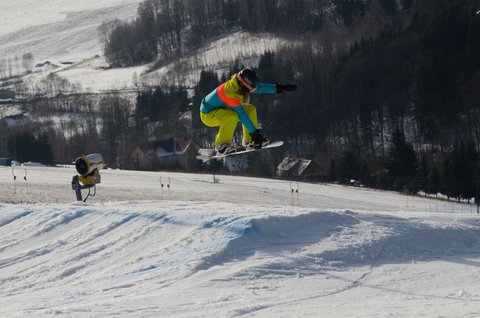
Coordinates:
(248, 79)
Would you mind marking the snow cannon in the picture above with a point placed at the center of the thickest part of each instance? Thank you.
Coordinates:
(88, 169)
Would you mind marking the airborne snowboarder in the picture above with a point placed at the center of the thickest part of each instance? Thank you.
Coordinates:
(230, 103)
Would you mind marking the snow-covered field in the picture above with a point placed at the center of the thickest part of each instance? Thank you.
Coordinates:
(58, 30)
(240, 247)
(93, 74)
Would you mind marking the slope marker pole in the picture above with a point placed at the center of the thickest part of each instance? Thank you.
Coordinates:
(14, 181)
(161, 185)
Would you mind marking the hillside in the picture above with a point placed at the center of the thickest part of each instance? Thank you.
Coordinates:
(95, 75)
(387, 89)
(60, 30)
(201, 249)
(66, 35)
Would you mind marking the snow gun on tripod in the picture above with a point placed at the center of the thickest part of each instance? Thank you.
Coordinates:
(88, 169)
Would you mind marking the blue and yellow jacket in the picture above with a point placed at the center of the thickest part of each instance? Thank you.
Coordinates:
(228, 96)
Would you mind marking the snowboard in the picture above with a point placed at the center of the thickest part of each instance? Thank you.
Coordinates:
(209, 154)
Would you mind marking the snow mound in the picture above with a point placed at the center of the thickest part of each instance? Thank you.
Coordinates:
(391, 239)
(180, 258)
(276, 234)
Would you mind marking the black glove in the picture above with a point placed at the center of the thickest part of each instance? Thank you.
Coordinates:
(257, 139)
(285, 88)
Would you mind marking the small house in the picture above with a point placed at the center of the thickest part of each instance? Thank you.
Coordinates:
(170, 153)
(296, 168)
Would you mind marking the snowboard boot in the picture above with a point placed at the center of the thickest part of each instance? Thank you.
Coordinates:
(225, 149)
(253, 145)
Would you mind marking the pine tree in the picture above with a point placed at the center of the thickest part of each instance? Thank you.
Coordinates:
(266, 67)
(448, 178)
(332, 171)
(27, 147)
(349, 167)
(402, 161)
(434, 182)
(422, 175)
(350, 10)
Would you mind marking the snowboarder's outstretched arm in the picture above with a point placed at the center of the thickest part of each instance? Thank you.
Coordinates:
(264, 88)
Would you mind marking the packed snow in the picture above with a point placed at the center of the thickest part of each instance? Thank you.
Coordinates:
(158, 244)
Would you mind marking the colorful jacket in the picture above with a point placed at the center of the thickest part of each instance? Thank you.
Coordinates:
(227, 96)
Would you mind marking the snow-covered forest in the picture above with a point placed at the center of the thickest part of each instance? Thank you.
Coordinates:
(388, 90)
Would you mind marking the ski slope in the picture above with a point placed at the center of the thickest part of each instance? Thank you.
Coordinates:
(237, 247)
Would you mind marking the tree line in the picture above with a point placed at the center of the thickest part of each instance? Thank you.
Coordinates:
(66, 126)
(168, 28)
(398, 110)
(15, 65)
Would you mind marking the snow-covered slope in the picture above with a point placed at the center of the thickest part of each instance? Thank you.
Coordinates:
(240, 247)
(66, 31)
(94, 75)
(58, 30)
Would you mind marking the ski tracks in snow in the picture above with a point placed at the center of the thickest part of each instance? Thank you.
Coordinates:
(183, 258)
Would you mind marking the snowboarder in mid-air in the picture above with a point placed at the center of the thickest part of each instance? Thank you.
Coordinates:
(230, 103)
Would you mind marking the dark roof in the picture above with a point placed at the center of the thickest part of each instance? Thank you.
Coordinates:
(293, 166)
(166, 147)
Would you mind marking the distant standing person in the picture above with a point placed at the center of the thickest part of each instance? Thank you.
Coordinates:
(230, 103)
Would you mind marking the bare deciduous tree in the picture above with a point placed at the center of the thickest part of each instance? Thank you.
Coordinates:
(27, 62)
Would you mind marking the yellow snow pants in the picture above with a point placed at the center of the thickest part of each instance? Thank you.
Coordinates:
(227, 120)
